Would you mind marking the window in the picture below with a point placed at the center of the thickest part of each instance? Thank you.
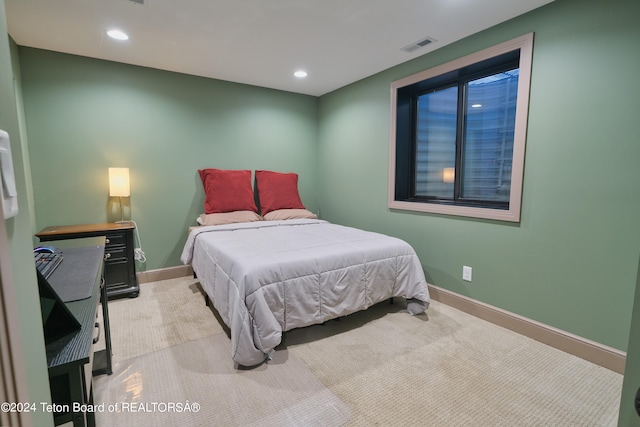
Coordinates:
(458, 135)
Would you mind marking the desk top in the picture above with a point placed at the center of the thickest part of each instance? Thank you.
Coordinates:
(75, 348)
(58, 230)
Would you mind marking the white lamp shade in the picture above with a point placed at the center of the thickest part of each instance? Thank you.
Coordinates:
(119, 182)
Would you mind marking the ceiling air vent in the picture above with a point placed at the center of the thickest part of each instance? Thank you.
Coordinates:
(137, 1)
(417, 45)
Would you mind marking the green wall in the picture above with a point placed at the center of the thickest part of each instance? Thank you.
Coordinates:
(85, 115)
(572, 260)
(19, 231)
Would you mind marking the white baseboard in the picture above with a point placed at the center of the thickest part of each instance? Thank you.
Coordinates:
(591, 351)
(164, 274)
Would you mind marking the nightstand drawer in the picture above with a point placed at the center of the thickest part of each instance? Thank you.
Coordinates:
(116, 274)
(113, 254)
(115, 239)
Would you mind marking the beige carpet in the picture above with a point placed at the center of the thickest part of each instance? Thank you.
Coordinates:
(378, 367)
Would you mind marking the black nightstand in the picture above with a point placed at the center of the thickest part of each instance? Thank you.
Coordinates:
(119, 264)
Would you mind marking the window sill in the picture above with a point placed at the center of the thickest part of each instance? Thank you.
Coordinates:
(510, 215)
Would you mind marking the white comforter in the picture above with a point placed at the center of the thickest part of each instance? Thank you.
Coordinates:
(267, 277)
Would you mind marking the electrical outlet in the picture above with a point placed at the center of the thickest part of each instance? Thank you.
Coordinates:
(466, 273)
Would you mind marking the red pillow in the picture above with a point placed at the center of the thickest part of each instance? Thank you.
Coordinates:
(277, 191)
(227, 190)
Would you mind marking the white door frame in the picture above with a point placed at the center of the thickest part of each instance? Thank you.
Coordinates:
(13, 379)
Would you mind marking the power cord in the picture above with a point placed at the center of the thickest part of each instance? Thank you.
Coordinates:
(138, 253)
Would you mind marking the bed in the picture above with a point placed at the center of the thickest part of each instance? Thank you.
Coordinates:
(268, 277)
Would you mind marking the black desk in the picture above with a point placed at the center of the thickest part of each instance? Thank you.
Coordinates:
(71, 360)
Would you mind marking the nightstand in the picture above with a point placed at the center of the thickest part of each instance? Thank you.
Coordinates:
(119, 265)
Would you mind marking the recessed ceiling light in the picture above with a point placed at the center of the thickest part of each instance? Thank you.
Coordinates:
(300, 74)
(117, 34)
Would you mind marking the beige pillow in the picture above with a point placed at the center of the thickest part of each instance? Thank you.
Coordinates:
(228, 218)
(282, 214)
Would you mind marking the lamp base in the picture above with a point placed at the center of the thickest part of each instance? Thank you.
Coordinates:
(121, 212)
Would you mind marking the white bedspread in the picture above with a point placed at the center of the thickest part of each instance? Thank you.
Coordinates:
(267, 277)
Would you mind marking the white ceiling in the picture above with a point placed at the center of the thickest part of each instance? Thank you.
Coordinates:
(257, 42)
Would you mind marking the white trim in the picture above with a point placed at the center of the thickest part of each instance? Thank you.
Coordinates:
(13, 374)
(164, 274)
(525, 44)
